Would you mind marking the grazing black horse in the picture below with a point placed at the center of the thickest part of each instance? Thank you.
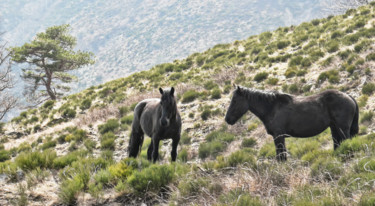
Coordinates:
(158, 119)
(285, 115)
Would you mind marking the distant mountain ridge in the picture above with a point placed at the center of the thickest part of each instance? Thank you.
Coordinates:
(130, 36)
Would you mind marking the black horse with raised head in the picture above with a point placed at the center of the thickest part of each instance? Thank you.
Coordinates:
(158, 119)
(285, 115)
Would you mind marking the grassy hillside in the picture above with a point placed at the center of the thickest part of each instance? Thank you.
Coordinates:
(73, 151)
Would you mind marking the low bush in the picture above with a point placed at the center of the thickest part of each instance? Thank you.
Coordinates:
(127, 120)
(110, 126)
(332, 46)
(183, 155)
(366, 117)
(68, 159)
(368, 89)
(85, 104)
(327, 168)
(69, 190)
(331, 75)
(32, 160)
(48, 144)
(370, 57)
(185, 138)
(260, 76)
(107, 141)
(69, 113)
(216, 93)
(154, 179)
(236, 158)
(248, 142)
(189, 96)
(4, 155)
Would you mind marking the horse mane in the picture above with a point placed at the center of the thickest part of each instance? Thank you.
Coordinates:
(266, 96)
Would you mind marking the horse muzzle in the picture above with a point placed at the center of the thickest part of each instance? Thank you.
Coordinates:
(229, 121)
(164, 122)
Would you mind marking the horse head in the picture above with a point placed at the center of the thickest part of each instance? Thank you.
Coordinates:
(168, 105)
(238, 106)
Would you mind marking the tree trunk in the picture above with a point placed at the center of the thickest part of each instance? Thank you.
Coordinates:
(48, 86)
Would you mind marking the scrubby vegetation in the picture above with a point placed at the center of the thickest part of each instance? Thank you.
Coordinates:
(85, 153)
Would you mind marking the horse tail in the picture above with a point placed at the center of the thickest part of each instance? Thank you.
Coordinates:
(354, 127)
(137, 135)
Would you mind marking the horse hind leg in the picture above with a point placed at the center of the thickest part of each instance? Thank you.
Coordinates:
(280, 147)
(339, 134)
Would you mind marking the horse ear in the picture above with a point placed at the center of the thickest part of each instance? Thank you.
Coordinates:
(239, 89)
(234, 86)
(161, 91)
(172, 91)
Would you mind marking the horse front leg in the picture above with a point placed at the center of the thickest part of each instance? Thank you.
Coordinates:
(149, 150)
(155, 145)
(174, 148)
(280, 147)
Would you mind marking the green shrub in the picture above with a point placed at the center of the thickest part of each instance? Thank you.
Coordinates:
(367, 199)
(268, 150)
(48, 144)
(206, 114)
(300, 147)
(192, 186)
(350, 69)
(368, 89)
(4, 155)
(89, 144)
(219, 135)
(183, 155)
(327, 167)
(239, 198)
(110, 126)
(272, 81)
(332, 46)
(366, 117)
(85, 104)
(185, 139)
(260, 76)
(248, 142)
(32, 160)
(68, 159)
(123, 110)
(282, 44)
(216, 93)
(290, 72)
(336, 34)
(210, 149)
(236, 158)
(121, 170)
(370, 57)
(48, 104)
(154, 179)
(295, 61)
(209, 85)
(189, 96)
(331, 75)
(365, 165)
(350, 146)
(107, 141)
(69, 190)
(69, 113)
(127, 119)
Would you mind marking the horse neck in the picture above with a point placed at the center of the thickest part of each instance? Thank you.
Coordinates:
(260, 107)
